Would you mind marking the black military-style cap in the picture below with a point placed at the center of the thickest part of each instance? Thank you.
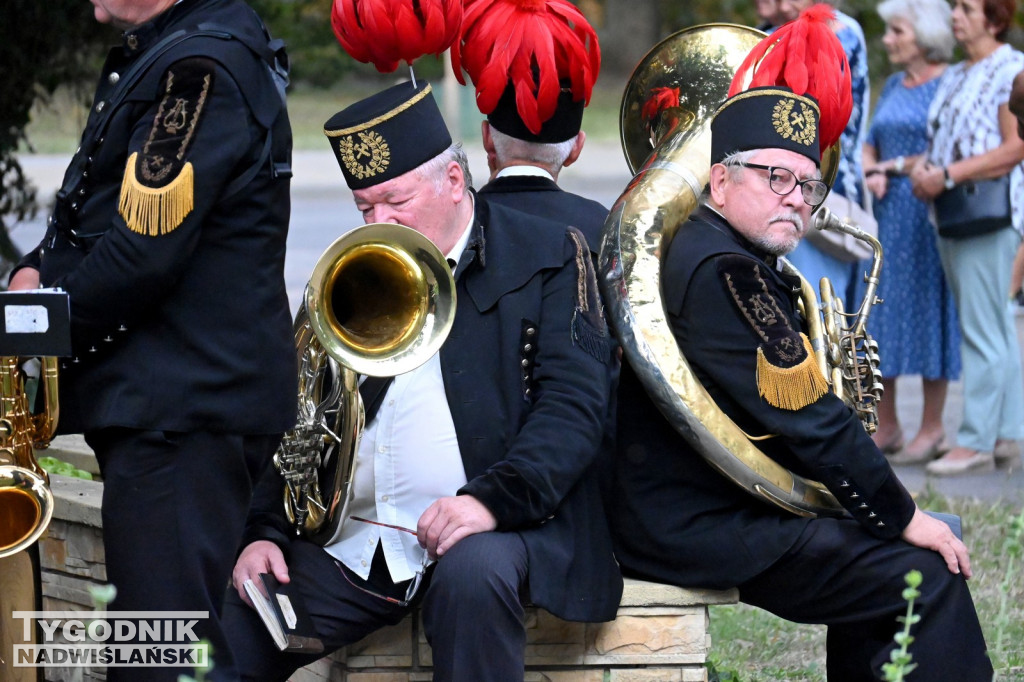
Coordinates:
(564, 124)
(387, 134)
(759, 118)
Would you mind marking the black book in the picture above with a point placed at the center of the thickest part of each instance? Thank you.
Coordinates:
(284, 613)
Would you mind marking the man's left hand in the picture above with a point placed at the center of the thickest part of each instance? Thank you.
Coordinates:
(930, 533)
(450, 519)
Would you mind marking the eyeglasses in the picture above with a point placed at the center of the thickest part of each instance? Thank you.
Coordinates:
(782, 181)
(414, 583)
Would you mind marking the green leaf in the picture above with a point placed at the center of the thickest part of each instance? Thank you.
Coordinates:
(102, 594)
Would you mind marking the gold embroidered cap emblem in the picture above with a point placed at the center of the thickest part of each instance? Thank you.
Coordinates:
(792, 123)
(365, 154)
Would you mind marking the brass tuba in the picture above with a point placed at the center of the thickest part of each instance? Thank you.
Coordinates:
(380, 302)
(26, 503)
(674, 148)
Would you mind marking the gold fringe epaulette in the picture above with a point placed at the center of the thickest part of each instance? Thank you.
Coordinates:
(790, 388)
(155, 211)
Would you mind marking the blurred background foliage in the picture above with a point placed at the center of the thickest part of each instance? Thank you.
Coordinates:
(43, 46)
(626, 28)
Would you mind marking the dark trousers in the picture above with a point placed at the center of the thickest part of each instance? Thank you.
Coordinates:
(174, 507)
(840, 576)
(472, 612)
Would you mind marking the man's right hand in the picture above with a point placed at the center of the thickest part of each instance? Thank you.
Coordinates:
(26, 278)
(929, 533)
(261, 556)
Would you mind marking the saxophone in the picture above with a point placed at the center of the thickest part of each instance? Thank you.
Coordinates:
(26, 502)
(846, 354)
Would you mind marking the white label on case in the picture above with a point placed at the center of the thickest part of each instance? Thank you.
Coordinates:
(26, 319)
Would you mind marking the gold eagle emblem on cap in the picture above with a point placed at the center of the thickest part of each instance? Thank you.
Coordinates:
(365, 154)
(792, 123)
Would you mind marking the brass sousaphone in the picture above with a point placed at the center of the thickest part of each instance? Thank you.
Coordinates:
(673, 153)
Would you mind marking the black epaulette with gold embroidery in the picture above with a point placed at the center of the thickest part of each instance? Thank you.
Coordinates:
(788, 377)
(157, 192)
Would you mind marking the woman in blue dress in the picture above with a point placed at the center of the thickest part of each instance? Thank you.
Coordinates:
(916, 326)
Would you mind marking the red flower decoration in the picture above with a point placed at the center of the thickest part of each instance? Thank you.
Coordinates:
(386, 32)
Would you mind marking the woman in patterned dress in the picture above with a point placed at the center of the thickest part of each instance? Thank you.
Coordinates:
(916, 327)
(974, 137)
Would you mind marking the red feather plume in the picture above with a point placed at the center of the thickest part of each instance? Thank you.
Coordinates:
(806, 56)
(386, 32)
(533, 43)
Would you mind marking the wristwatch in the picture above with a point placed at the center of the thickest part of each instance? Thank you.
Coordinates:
(948, 182)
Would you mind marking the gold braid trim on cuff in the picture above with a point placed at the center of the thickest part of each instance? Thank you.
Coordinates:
(790, 388)
(155, 211)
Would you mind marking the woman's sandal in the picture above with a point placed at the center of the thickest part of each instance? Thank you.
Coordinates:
(931, 451)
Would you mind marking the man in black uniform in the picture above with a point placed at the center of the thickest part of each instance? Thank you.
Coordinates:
(525, 166)
(733, 313)
(169, 236)
(533, 130)
(480, 458)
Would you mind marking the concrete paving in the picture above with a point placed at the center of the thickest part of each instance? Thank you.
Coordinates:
(322, 210)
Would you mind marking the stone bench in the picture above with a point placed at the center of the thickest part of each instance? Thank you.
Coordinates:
(660, 633)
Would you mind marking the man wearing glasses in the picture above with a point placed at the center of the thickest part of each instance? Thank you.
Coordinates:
(733, 313)
(479, 462)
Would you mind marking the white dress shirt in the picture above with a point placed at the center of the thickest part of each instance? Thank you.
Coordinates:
(408, 457)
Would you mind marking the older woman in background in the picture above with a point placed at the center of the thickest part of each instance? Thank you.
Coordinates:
(768, 14)
(974, 137)
(916, 328)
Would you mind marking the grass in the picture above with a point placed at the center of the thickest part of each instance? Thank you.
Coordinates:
(755, 646)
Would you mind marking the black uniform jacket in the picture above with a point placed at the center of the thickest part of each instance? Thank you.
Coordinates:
(542, 197)
(674, 518)
(188, 328)
(525, 372)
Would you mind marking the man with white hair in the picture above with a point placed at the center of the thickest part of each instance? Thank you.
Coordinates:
(525, 165)
(474, 486)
